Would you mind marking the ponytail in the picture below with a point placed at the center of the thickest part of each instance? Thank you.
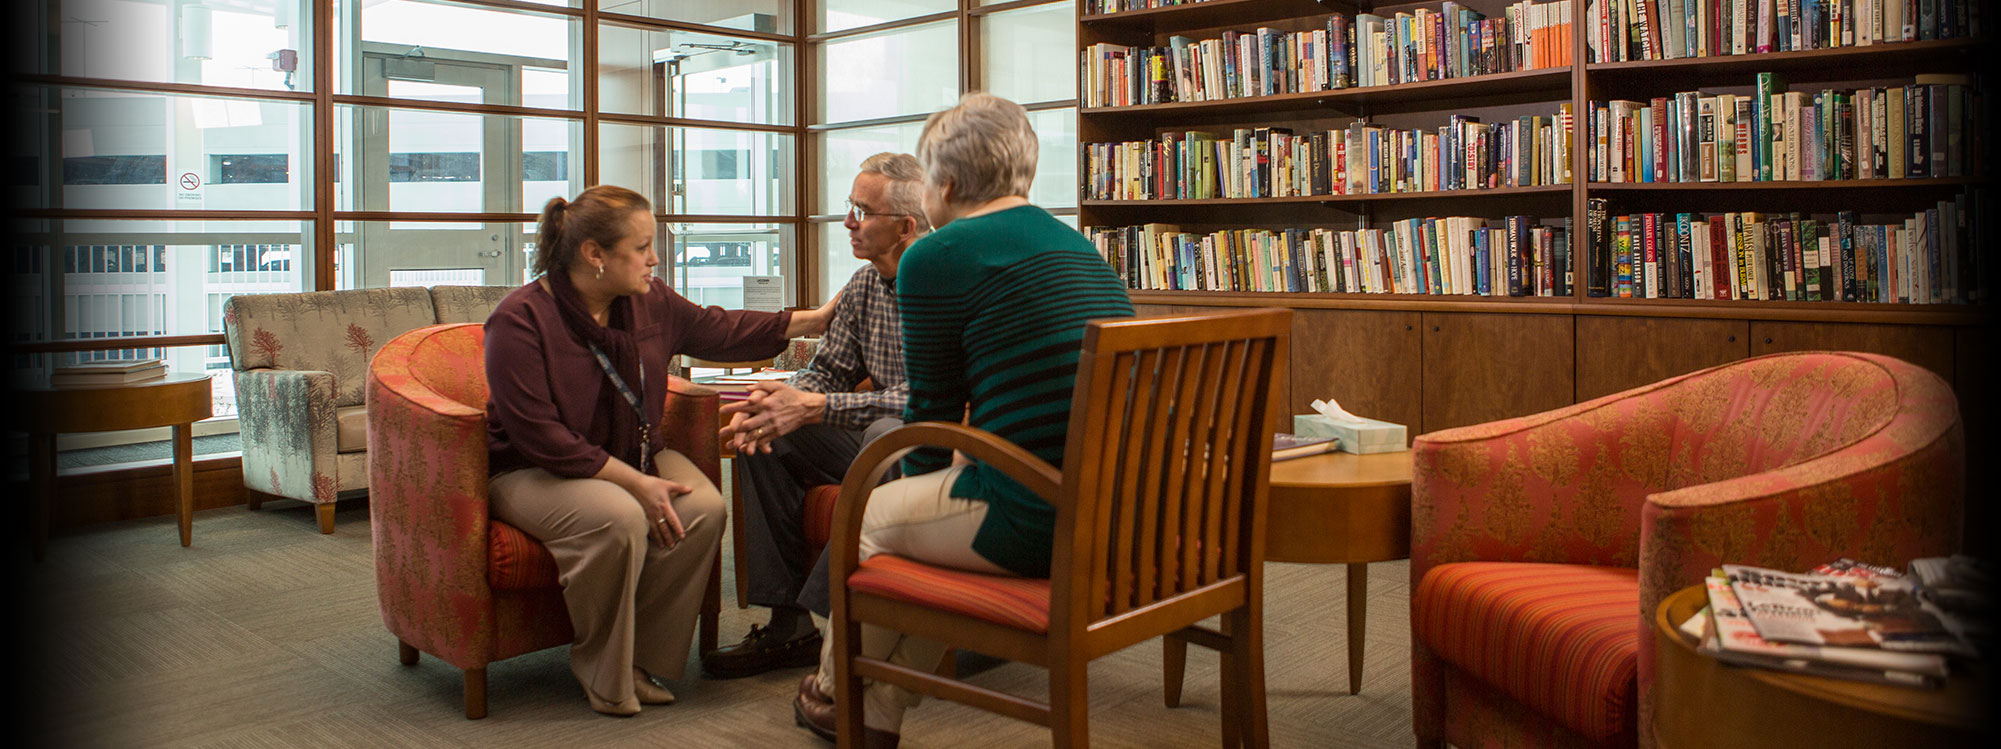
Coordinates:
(597, 214)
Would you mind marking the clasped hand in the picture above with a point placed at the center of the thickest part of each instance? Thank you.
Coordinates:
(772, 410)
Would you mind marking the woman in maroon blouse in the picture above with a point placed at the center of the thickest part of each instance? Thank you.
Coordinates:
(577, 365)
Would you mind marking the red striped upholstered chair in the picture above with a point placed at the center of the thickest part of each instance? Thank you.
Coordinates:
(1540, 545)
(1159, 525)
(452, 580)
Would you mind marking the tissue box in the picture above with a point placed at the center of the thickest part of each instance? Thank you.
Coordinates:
(1360, 436)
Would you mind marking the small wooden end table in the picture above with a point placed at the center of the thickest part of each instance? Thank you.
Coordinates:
(1334, 508)
(177, 400)
(1702, 702)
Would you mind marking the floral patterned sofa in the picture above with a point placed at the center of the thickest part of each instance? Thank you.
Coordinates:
(1541, 544)
(300, 360)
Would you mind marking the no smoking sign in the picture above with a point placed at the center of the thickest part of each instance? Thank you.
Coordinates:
(190, 184)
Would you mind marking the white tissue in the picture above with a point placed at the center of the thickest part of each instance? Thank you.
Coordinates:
(1333, 410)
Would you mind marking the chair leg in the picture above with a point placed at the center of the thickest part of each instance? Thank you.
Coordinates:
(253, 499)
(1069, 703)
(406, 653)
(736, 535)
(326, 513)
(475, 693)
(1173, 664)
(1232, 699)
(1247, 640)
(712, 605)
(847, 685)
(948, 666)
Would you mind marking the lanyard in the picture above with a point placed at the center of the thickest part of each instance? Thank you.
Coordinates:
(645, 447)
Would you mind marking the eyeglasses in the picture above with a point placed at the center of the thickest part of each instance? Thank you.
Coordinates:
(860, 214)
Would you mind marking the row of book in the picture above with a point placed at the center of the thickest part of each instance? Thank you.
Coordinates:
(1275, 162)
(1926, 129)
(1929, 258)
(1846, 619)
(1368, 50)
(1099, 7)
(1623, 30)
(1441, 255)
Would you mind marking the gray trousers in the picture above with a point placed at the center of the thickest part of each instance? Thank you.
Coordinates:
(775, 553)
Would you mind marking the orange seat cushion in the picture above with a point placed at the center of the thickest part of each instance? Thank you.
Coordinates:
(515, 560)
(820, 515)
(1562, 639)
(1018, 602)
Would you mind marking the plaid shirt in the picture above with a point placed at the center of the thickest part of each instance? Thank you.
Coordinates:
(864, 341)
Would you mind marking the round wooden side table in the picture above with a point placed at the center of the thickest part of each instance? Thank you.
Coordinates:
(1702, 702)
(177, 400)
(1333, 508)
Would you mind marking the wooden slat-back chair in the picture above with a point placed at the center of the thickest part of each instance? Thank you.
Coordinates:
(1159, 525)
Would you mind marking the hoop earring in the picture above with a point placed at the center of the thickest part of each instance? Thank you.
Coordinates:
(600, 270)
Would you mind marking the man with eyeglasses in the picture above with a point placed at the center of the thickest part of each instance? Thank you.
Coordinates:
(806, 431)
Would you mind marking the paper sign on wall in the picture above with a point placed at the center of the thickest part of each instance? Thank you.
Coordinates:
(764, 293)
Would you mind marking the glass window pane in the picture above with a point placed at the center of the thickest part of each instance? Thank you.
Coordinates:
(250, 45)
(423, 161)
(711, 260)
(488, 49)
(697, 76)
(774, 16)
(378, 254)
(701, 171)
(837, 259)
(1056, 162)
(842, 152)
(836, 15)
(905, 71)
(125, 150)
(1031, 53)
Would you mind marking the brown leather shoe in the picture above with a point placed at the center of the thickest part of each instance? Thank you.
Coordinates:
(760, 652)
(818, 717)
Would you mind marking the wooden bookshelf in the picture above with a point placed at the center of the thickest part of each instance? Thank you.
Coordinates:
(1575, 346)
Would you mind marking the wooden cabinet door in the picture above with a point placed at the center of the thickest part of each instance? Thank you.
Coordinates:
(1369, 361)
(1617, 353)
(1486, 367)
(1928, 346)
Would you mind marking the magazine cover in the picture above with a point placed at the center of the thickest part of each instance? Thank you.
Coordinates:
(1841, 610)
(1731, 638)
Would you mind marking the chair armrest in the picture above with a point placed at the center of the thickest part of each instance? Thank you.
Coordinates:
(688, 425)
(286, 418)
(844, 545)
(1563, 486)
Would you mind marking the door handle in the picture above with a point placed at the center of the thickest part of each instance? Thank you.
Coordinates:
(485, 253)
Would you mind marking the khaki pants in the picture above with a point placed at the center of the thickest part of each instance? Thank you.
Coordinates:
(916, 518)
(632, 602)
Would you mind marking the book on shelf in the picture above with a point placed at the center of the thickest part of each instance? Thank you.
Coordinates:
(1926, 258)
(1288, 446)
(1360, 159)
(1448, 255)
(1859, 611)
(1422, 44)
(1631, 30)
(1923, 129)
(109, 373)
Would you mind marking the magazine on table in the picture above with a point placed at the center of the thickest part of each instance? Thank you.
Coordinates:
(1860, 610)
(1731, 638)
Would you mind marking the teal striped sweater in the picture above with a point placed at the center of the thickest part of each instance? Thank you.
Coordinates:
(994, 309)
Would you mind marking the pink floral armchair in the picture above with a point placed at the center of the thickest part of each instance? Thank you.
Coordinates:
(1541, 544)
(453, 581)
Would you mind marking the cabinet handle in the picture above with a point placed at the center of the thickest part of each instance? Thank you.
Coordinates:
(1407, 327)
(1434, 328)
(1733, 339)
(1768, 339)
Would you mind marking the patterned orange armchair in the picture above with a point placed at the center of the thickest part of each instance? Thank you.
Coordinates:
(1540, 544)
(452, 580)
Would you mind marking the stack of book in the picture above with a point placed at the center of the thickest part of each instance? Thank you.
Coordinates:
(1621, 30)
(1447, 255)
(1925, 129)
(109, 373)
(1363, 159)
(1845, 619)
(1367, 50)
(1928, 258)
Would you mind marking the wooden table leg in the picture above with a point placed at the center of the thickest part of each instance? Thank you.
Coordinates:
(41, 489)
(184, 479)
(1358, 622)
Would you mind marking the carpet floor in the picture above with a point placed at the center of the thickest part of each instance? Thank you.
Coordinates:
(267, 634)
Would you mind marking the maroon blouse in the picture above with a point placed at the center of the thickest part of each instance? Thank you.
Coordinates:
(549, 403)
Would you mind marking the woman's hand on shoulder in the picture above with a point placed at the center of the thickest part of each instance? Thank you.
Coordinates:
(812, 322)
